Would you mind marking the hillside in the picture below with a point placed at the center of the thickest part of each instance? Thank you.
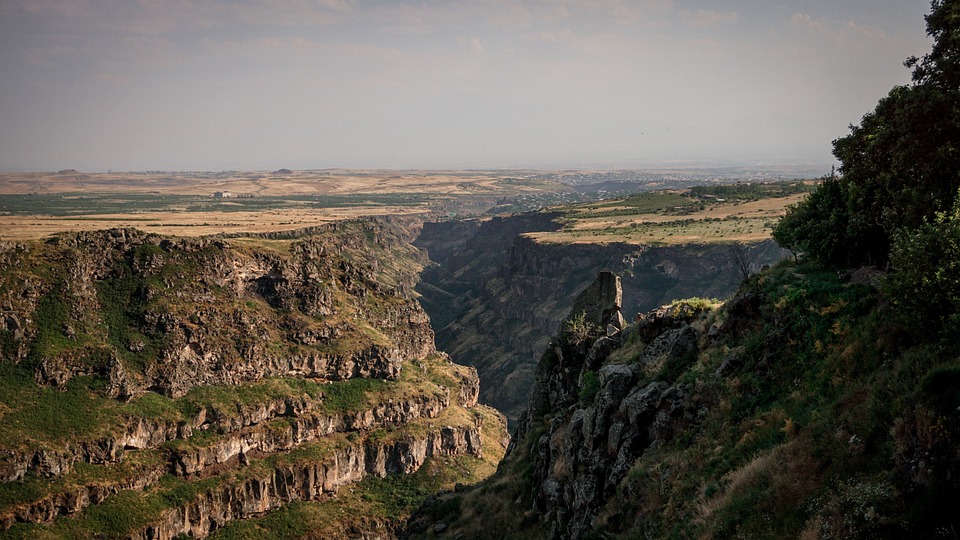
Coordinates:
(499, 287)
(800, 408)
(155, 386)
(819, 402)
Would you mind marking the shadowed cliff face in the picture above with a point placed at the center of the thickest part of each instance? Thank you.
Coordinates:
(800, 408)
(495, 297)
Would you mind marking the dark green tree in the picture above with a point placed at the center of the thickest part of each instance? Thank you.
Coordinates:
(925, 288)
(899, 167)
(941, 66)
(817, 227)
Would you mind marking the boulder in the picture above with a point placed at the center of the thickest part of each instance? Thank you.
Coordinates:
(600, 302)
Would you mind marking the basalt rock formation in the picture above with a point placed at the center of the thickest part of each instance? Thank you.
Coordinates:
(496, 296)
(795, 410)
(152, 387)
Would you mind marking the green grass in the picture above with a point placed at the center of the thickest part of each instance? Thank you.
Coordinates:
(752, 191)
(47, 417)
(641, 203)
(51, 316)
(351, 395)
(589, 388)
(115, 517)
(290, 521)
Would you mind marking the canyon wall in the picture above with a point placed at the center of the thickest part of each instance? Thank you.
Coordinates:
(155, 386)
(496, 297)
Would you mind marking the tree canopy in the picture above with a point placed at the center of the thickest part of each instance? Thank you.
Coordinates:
(898, 168)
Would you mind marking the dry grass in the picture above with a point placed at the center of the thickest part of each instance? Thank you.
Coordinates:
(225, 215)
(718, 223)
(189, 223)
(262, 183)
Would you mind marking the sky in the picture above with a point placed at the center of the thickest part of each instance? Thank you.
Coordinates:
(96, 85)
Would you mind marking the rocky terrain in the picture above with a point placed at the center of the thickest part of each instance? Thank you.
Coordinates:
(154, 386)
(796, 409)
(496, 297)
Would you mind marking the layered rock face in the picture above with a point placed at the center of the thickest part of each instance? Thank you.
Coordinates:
(589, 420)
(590, 415)
(793, 410)
(172, 385)
(496, 297)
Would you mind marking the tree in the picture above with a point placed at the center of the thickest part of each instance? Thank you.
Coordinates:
(925, 288)
(742, 260)
(899, 167)
(941, 66)
(817, 226)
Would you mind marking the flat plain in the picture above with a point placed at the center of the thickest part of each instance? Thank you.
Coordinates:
(35, 205)
(701, 215)
(598, 207)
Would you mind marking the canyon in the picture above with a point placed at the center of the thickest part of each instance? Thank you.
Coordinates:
(159, 386)
(496, 297)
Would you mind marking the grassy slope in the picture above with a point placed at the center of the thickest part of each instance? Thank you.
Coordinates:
(701, 215)
(373, 501)
(835, 424)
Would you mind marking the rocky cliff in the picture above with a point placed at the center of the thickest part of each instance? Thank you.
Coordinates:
(152, 386)
(797, 409)
(496, 297)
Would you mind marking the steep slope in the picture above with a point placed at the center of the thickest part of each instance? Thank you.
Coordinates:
(495, 297)
(153, 386)
(798, 409)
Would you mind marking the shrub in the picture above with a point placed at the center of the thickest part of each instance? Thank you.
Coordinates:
(924, 287)
(577, 330)
(589, 387)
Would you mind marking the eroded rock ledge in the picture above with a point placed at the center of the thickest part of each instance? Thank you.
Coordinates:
(176, 384)
(308, 480)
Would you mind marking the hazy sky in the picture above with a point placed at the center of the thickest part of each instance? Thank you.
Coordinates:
(263, 84)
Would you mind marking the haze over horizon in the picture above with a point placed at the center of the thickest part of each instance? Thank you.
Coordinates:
(209, 85)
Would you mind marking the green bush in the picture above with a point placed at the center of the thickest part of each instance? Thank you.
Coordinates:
(924, 286)
(577, 330)
(589, 388)
(817, 225)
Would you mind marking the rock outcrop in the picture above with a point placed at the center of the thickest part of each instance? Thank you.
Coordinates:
(590, 442)
(496, 297)
(189, 312)
(580, 439)
(797, 409)
(178, 384)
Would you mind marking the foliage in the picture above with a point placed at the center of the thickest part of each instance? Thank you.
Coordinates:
(900, 165)
(752, 191)
(941, 66)
(925, 286)
(817, 226)
(589, 387)
(578, 330)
